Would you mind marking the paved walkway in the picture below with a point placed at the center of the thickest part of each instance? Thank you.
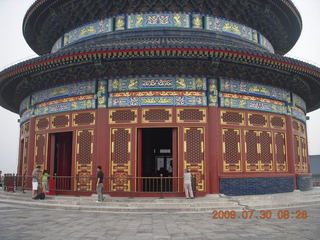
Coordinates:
(18, 222)
(61, 217)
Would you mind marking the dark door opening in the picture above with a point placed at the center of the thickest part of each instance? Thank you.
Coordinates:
(61, 152)
(157, 159)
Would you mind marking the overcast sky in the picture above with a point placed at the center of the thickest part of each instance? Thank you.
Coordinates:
(13, 49)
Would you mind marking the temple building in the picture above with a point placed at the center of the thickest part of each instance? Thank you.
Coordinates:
(147, 88)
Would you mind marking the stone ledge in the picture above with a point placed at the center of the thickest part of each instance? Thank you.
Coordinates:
(169, 205)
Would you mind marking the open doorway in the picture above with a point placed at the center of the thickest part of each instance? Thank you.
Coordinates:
(61, 159)
(157, 159)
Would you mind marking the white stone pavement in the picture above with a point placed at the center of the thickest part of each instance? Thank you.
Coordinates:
(27, 223)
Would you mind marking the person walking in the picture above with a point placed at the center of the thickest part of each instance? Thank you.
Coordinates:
(100, 177)
(35, 181)
(187, 184)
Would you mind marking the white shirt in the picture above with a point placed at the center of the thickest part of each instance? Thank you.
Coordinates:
(187, 178)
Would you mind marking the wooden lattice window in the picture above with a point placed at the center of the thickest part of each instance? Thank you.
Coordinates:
(81, 119)
(235, 118)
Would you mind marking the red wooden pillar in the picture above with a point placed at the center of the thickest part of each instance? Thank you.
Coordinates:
(102, 143)
(139, 160)
(180, 158)
(51, 154)
(214, 149)
(31, 146)
(175, 158)
(133, 160)
(20, 156)
(290, 149)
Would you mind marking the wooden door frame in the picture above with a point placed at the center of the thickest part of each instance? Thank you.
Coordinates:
(52, 150)
(175, 151)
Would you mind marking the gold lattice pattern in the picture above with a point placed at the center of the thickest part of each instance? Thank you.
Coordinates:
(83, 180)
(303, 128)
(83, 119)
(231, 150)
(252, 150)
(84, 153)
(42, 123)
(258, 150)
(266, 151)
(304, 155)
(278, 122)
(60, 121)
(280, 152)
(194, 154)
(123, 116)
(192, 115)
(157, 115)
(234, 118)
(120, 159)
(120, 177)
(257, 120)
(295, 125)
(301, 154)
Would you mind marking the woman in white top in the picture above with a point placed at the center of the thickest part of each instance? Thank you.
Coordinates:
(187, 184)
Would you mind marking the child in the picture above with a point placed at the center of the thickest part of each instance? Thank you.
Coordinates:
(45, 177)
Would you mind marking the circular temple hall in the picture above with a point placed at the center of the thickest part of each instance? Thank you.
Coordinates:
(147, 88)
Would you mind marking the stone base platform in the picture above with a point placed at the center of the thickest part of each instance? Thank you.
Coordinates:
(168, 205)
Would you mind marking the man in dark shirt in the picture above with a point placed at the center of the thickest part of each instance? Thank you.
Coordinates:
(100, 177)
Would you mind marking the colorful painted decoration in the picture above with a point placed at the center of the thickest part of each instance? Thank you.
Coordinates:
(157, 101)
(102, 94)
(166, 19)
(157, 83)
(102, 26)
(226, 26)
(120, 23)
(240, 101)
(197, 21)
(243, 87)
(163, 91)
(299, 102)
(74, 89)
(212, 92)
(66, 107)
(158, 20)
(298, 114)
(65, 100)
(158, 93)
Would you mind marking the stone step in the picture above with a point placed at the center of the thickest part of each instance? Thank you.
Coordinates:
(154, 205)
(66, 199)
(98, 207)
(200, 204)
(183, 204)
